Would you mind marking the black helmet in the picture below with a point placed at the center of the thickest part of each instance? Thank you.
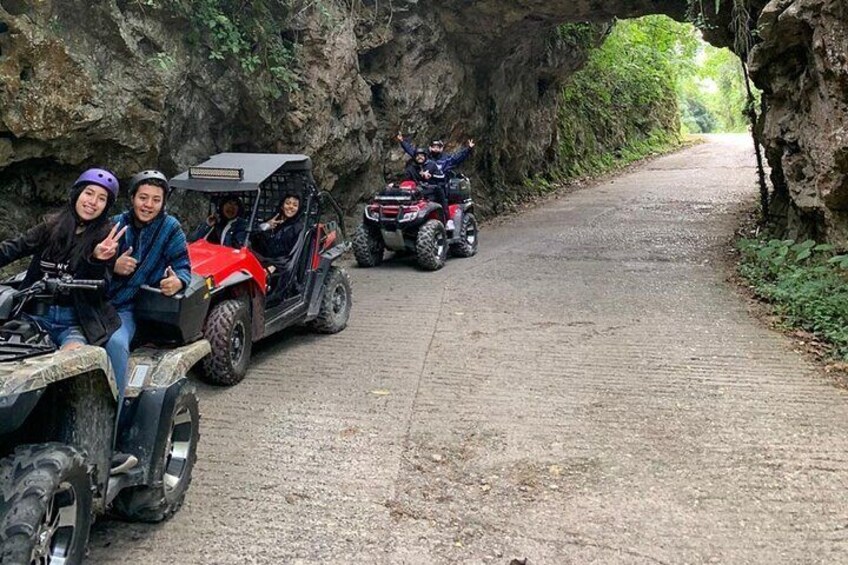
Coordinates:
(419, 151)
(437, 142)
(150, 176)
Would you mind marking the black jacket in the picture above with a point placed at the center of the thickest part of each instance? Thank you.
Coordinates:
(97, 316)
(279, 245)
(414, 172)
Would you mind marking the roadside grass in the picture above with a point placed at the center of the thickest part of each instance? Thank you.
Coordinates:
(805, 283)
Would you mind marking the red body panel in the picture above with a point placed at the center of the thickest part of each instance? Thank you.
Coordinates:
(393, 210)
(219, 262)
(316, 249)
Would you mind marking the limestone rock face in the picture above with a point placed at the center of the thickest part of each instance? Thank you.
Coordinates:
(114, 82)
(802, 65)
(120, 83)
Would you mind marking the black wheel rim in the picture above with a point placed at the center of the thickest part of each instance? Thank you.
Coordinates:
(339, 299)
(58, 531)
(237, 343)
(178, 450)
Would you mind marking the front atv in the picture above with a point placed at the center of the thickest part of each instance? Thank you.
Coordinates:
(64, 457)
(252, 296)
(400, 219)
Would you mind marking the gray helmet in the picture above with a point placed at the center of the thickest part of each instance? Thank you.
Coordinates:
(158, 177)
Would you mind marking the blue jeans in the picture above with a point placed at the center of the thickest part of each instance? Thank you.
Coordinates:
(62, 324)
(118, 348)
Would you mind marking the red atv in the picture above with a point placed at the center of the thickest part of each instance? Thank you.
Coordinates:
(247, 296)
(400, 219)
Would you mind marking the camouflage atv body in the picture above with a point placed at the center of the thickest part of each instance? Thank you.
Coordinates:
(60, 431)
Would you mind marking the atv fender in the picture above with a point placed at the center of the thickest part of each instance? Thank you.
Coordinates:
(433, 210)
(15, 409)
(36, 373)
(151, 368)
(145, 426)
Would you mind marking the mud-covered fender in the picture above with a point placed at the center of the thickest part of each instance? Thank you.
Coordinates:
(145, 424)
(16, 408)
(156, 377)
(327, 259)
(37, 373)
(151, 367)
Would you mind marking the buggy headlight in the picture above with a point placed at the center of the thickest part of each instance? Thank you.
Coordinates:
(371, 213)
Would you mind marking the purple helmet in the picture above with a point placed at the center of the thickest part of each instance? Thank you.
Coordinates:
(101, 177)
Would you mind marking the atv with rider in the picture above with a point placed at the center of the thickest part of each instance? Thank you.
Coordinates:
(400, 218)
(253, 295)
(70, 447)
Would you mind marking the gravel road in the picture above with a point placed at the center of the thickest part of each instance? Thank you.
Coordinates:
(587, 389)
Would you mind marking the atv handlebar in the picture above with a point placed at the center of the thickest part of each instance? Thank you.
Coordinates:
(82, 284)
(61, 285)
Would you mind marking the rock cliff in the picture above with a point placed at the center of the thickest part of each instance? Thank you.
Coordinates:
(117, 82)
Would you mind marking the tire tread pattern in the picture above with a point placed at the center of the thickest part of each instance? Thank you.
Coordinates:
(217, 367)
(367, 249)
(28, 479)
(463, 248)
(149, 503)
(425, 246)
(327, 321)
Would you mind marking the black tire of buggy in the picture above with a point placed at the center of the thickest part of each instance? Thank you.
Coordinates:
(218, 368)
(330, 321)
(154, 503)
(367, 248)
(464, 248)
(29, 478)
(426, 251)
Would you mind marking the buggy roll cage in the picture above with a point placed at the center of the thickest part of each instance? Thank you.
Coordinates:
(259, 173)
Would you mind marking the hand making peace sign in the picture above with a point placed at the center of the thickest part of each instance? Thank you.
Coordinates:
(107, 248)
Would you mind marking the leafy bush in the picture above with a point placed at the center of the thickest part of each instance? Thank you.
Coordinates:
(806, 282)
(715, 88)
(246, 33)
(623, 104)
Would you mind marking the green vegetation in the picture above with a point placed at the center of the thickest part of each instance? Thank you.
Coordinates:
(713, 97)
(807, 284)
(651, 80)
(247, 33)
(623, 104)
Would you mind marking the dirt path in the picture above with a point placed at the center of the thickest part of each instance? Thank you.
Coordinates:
(586, 389)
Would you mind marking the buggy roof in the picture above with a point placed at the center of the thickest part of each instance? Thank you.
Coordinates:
(254, 167)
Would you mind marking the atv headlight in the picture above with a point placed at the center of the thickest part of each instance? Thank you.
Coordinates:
(410, 214)
(371, 213)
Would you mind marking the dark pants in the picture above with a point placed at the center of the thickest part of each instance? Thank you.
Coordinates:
(437, 193)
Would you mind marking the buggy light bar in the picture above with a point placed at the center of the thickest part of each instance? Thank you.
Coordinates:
(215, 173)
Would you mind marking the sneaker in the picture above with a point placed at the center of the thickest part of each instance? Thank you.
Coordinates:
(122, 462)
(450, 225)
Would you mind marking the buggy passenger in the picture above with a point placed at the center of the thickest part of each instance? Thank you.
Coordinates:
(277, 237)
(226, 226)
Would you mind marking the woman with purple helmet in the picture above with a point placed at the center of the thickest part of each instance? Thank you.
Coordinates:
(79, 241)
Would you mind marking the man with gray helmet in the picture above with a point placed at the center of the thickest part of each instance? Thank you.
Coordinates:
(153, 252)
